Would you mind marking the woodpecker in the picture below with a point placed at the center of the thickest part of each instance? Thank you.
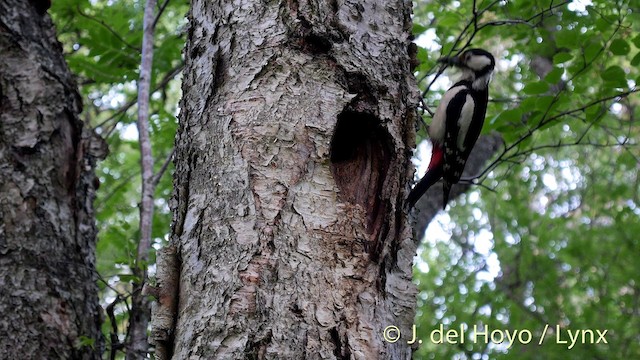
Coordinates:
(457, 122)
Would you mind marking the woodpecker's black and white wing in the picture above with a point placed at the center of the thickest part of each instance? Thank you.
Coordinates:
(460, 111)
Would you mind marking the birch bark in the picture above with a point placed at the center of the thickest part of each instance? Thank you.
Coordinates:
(292, 164)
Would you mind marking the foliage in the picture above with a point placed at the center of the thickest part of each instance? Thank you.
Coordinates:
(548, 239)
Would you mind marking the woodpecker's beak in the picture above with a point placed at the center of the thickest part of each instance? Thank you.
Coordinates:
(452, 61)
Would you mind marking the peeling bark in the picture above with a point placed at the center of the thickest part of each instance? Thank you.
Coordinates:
(49, 301)
(164, 309)
(292, 164)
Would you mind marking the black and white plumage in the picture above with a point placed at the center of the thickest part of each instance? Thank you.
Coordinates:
(457, 122)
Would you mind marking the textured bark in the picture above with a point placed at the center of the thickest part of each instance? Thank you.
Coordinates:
(48, 302)
(292, 165)
(164, 309)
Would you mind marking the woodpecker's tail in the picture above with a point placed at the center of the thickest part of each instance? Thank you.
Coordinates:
(446, 189)
(434, 173)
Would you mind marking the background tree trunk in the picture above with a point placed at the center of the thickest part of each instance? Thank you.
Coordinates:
(292, 166)
(49, 301)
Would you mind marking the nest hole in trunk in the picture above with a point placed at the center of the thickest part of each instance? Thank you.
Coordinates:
(361, 150)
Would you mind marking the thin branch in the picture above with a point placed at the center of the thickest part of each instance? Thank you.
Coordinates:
(564, 145)
(483, 186)
(103, 200)
(475, 16)
(507, 22)
(440, 71)
(424, 107)
(476, 28)
(160, 11)
(163, 169)
(139, 318)
(106, 284)
(144, 83)
(113, 334)
(107, 134)
(507, 100)
(548, 10)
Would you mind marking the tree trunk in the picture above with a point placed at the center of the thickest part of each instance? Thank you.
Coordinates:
(292, 167)
(49, 301)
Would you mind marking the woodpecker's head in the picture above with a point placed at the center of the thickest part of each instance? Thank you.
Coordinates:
(476, 64)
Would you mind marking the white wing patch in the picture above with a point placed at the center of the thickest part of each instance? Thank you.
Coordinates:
(466, 116)
(439, 123)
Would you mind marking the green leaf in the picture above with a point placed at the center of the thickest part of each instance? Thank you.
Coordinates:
(528, 104)
(539, 117)
(548, 124)
(562, 100)
(592, 51)
(449, 20)
(614, 76)
(603, 24)
(512, 115)
(636, 41)
(128, 278)
(544, 102)
(418, 29)
(627, 158)
(636, 60)
(619, 47)
(554, 76)
(593, 113)
(92, 70)
(567, 38)
(507, 132)
(422, 55)
(536, 88)
(562, 57)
